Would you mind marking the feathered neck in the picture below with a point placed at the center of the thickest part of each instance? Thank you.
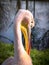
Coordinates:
(18, 46)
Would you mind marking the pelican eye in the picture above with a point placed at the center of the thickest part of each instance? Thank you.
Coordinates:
(31, 21)
(31, 24)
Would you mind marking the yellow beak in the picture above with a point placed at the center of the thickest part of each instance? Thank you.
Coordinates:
(27, 44)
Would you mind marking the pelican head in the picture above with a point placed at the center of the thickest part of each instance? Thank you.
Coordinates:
(26, 25)
(28, 19)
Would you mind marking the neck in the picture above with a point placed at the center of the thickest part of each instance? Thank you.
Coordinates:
(18, 46)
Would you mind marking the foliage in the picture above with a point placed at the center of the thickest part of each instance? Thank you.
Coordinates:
(6, 50)
(38, 57)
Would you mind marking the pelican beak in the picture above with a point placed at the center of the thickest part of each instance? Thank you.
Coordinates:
(27, 39)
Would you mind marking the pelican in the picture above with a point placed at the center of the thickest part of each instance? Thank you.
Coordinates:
(23, 22)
